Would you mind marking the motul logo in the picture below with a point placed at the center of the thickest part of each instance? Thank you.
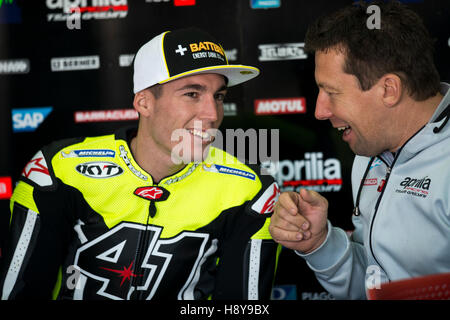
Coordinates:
(280, 106)
(99, 169)
(153, 193)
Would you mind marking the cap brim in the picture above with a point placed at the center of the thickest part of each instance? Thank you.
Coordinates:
(235, 74)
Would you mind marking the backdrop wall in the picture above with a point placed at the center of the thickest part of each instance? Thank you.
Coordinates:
(61, 77)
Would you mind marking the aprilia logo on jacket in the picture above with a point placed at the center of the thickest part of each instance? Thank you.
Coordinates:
(415, 187)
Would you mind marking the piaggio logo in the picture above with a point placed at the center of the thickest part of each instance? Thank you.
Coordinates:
(99, 169)
(415, 187)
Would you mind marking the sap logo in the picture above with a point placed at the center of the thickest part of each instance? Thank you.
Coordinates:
(28, 120)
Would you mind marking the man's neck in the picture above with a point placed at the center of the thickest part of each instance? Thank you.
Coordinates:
(156, 163)
(412, 116)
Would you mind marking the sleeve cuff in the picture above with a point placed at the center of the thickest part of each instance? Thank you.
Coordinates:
(329, 252)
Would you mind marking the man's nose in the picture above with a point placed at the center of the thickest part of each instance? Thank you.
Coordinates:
(322, 111)
(209, 109)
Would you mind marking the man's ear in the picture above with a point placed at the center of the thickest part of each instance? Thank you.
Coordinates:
(392, 89)
(143, 102)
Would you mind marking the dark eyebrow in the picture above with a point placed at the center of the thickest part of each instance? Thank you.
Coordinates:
(199, 87)
(192, 87)
(223, 88)
(326, 86)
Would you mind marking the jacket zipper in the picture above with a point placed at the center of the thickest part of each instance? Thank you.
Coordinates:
(388, 173)
(386, 178)
(140, 253)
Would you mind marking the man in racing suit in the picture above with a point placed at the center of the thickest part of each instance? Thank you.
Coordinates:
(123, 216)
(384, 94)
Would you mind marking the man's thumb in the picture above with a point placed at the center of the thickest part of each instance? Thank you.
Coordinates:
(310, 196)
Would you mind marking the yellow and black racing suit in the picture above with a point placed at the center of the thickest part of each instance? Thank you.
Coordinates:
(88, 223)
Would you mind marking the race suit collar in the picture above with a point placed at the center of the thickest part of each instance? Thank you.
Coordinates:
(123, 137)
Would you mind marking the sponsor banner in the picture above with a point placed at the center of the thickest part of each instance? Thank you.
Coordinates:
(229, 109)
(280, 106)
(126, 60)
(29, 119)
(313, 172)
(14, 66)
(231, 54)
(317, 296)
(75, 63)
(62, 10)
(282, 51)
(179, 3)
(5, 187)
(265, 4)
(105, 115)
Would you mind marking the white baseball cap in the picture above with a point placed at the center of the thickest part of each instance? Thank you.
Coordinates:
(184, 52)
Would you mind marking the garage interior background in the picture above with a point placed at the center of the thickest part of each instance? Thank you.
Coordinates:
(65, 77)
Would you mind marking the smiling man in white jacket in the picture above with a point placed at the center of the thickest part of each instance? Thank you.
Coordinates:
(380, 88)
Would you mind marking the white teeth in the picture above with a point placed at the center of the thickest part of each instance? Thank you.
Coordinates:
(201, 134)
(343, 128)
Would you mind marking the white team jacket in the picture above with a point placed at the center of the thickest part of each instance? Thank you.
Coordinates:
(403, 230)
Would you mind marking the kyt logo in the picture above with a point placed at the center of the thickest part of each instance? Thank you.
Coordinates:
(99, 169)
(29, 119)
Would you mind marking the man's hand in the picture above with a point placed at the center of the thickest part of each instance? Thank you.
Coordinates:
(300, 220)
